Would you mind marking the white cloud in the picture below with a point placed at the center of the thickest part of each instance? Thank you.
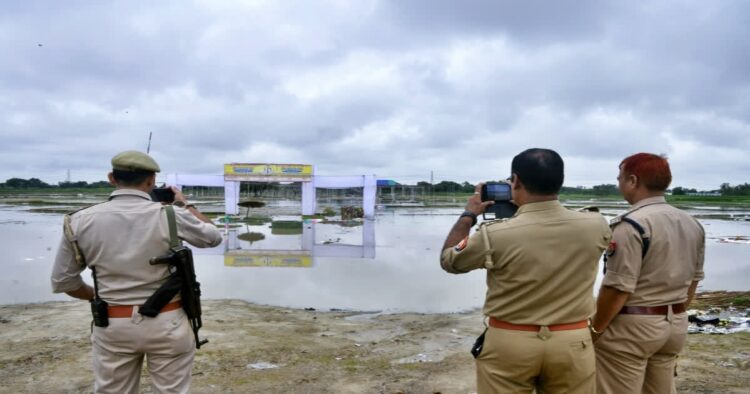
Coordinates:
(379, 86)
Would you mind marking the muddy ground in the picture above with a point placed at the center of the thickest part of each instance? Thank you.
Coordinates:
(44, 348)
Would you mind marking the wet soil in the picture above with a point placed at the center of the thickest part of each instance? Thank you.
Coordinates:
(45, 349)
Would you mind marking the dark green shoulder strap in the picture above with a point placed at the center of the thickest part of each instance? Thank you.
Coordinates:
(172, 221)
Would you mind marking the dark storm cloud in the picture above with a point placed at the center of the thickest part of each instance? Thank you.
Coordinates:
(536, 20)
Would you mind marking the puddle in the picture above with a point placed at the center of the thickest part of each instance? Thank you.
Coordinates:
(262, 365)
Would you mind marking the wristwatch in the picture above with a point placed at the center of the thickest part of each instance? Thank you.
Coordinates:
(179, 204)
(471, 215)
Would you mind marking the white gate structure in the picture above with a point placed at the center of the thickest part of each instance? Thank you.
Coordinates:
(234, 173)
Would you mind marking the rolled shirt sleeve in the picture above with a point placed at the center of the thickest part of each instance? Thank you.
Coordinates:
(468, 255)
(66, 272)
(624, 262)
(195, 231)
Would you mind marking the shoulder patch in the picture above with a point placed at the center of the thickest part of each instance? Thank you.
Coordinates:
(461, 245)
(611, 249)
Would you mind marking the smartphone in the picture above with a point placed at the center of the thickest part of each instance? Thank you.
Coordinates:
(162, 194)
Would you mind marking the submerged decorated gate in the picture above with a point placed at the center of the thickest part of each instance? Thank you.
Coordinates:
(234, 173)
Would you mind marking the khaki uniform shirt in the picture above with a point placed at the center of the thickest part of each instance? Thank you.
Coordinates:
(119, 237)
(543, 265)
(673, 261)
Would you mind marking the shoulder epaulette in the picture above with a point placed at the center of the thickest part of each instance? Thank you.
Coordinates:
(83, 208)
(494, 221)
(637, 226)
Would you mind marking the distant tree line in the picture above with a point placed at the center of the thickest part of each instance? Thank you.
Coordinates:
(35, 183)
(466, 187)
(442, 187)
(448, 187)
(598, 190)
(681, 191)
(739, 190)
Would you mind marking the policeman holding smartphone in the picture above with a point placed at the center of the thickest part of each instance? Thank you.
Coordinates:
(540, 264)
(116, 240)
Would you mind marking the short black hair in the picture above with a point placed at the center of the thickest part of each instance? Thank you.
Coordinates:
(541, 171)
(131, 178)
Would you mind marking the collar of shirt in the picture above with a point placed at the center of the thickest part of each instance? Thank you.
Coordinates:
(129, 192)
(648, 201)
(539, 206)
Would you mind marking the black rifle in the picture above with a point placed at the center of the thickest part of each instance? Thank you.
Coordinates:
(182, 279)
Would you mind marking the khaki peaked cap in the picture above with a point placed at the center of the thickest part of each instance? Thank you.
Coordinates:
(132, 160)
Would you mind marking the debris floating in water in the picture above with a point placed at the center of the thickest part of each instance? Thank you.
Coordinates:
(737, 239)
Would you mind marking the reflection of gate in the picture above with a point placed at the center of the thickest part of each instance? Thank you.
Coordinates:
(235, 256)
(234, 173)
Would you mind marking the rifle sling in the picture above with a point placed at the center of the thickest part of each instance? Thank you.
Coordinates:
(172, 221)
(166, 292)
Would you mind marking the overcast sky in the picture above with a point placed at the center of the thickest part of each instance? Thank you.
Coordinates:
(393, 88)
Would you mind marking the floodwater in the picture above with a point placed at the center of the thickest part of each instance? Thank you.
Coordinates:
(387, 264)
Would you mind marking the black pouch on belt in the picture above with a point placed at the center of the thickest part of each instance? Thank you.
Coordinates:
(476, 349)
(100, 312)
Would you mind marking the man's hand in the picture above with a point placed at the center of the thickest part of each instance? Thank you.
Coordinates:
(608, 305)
(463, 226)
(595, 337)
(178, 196)
(85, 292)
(475, 204)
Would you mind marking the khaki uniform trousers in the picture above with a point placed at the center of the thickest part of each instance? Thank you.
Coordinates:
(548, 361)
(166, 340)
(637, 353)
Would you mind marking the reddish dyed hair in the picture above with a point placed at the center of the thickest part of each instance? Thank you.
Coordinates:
(652, 170)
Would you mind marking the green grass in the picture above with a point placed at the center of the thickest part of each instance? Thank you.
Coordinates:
(742, 301)
(724, 200)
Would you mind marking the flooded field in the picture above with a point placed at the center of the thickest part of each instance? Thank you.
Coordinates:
(387, 264)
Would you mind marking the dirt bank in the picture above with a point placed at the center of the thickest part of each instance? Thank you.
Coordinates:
(45, 349)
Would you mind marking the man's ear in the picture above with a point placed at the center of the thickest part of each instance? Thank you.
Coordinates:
(632, 178)
(515, 182)
(111, 179)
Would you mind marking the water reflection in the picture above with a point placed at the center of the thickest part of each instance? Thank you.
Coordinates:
(390, 263)
(271, 254)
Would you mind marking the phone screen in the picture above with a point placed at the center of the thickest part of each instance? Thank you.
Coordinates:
(497, 192)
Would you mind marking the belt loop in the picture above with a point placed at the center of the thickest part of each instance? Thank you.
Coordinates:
(543, 333)
(670, 313)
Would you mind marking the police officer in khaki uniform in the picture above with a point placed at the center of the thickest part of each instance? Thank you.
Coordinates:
(653, 266)
(116, 239)
(541, 265)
